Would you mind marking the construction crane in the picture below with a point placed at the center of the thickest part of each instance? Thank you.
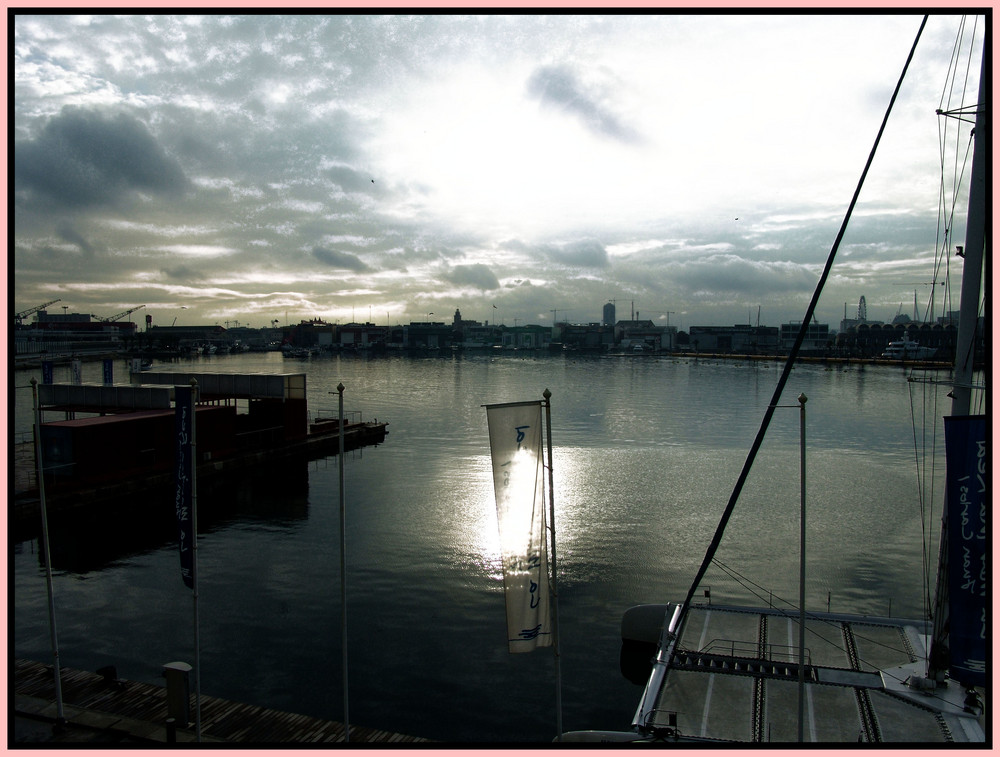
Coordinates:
(19, 317)
(555, 314)
(667, 313)
(116, 316)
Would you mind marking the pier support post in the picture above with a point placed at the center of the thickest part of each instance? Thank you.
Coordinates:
(178, 691)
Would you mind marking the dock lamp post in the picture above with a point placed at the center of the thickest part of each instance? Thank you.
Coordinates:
(802, 560)
(343, 559)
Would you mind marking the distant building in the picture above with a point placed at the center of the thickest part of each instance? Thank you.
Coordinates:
(72, 333)
(871, 340)
(481, 336)
(82, 323)
(362, 336)
(639, 334)
(462, 325)
(530, 337)
(818, 337)
(609, 314)
(312, 333)
(584, 336)
(430, 335)
(741, 338)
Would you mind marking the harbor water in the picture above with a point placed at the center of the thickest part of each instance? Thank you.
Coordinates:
(646, 452)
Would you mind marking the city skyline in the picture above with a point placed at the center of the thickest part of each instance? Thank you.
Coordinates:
(253, 168)
(660, 318)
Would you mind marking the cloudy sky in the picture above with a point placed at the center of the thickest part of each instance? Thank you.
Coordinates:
(246, 169)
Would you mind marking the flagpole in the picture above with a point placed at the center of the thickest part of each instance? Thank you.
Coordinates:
(555, 593)
(802, 563)
(54, 637)
(194, 561)
(343, 564)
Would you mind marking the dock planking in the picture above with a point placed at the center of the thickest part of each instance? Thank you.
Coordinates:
(141, 709)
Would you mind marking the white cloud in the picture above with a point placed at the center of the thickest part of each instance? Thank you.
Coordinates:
(197, 250)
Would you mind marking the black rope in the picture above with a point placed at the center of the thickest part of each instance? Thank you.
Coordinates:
(793, 354)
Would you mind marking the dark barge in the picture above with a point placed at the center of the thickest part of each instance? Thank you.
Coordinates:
(126, 443)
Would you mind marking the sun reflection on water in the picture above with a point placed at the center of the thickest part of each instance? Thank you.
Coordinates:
(475, 533)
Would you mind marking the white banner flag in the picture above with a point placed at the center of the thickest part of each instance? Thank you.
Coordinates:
(516, 448)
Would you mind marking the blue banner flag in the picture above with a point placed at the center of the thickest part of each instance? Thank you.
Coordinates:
(47, 372)
(109, 372)
(965, 449)
(184, 494)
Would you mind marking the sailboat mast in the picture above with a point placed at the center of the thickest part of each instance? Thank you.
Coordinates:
(965, 349)
(975, 233)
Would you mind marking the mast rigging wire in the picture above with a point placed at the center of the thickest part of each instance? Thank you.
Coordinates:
(793, 354)
(948, 198)
(832, 624)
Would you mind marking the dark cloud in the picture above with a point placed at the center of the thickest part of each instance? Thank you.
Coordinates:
(560, 87)
(336, 259)
(477, 276)
(71, 235)
(732, 274)
(83, 158)
(586, 254)
(180, 273)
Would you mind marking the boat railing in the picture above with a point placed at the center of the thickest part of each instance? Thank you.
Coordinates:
(751, 650)
(328, 416)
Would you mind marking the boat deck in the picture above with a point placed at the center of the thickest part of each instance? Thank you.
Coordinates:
(735, 677)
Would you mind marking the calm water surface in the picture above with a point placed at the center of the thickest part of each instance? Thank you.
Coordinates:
(646, 452)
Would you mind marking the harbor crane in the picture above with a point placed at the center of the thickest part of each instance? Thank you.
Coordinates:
(19, 317)
(116, 316)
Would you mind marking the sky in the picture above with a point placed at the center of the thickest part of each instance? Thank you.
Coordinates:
(523, 168)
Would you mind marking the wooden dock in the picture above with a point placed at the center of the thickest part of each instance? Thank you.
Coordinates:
(117, 711)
